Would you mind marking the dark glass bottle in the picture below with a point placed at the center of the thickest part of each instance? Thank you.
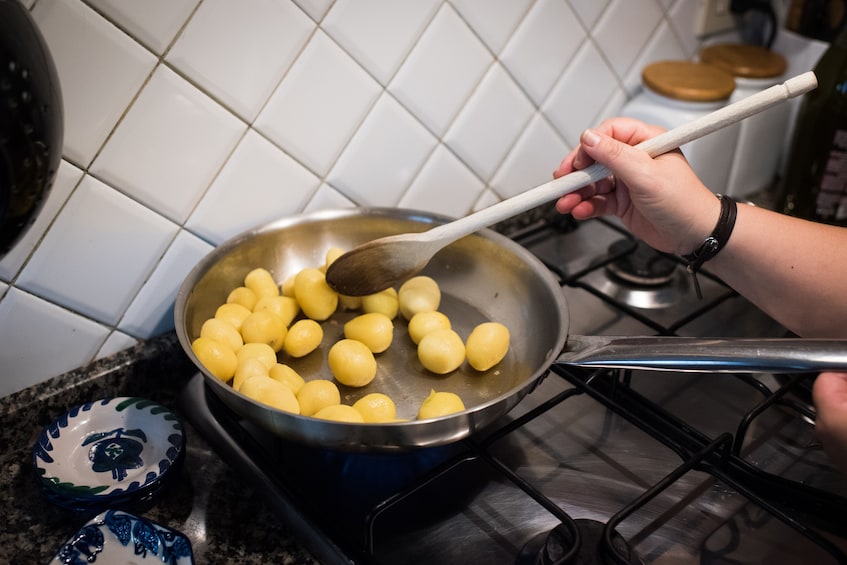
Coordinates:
(815, 181)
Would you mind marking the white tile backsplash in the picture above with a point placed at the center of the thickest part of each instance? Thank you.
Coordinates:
(680, 16)
(259, 183)
(490, 123)
(624, 29)
(436, 188)
(42, 338)
(493, 21)
(379, 33)
(169, 146)
(89, 50)
(327, 198)
(383, 157)
(98, 253)
(441, 71)
(154, 23)
(319, 104)
(571, 107)
(238, 51)
(589, 11)
(316, 9)
(151, 312)
(189, 120)
(532, 160)
(542, 47)
(115, 343)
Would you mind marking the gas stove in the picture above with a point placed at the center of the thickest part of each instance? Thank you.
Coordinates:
(592, 466)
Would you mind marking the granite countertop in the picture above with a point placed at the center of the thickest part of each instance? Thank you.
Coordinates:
(225, 520)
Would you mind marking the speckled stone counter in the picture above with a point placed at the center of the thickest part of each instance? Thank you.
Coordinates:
(225, 520)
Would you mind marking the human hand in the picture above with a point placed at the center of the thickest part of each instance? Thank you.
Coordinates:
(660, 200)
(830, 396)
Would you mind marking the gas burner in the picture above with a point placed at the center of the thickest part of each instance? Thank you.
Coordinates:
(640, 264)
(586, 546)
(642, 277)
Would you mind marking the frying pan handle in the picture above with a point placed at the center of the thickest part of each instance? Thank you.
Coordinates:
(706, 355)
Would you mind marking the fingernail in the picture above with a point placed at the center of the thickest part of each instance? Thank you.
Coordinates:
(589, 138)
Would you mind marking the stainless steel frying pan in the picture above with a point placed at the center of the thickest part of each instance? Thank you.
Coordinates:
(483, 277)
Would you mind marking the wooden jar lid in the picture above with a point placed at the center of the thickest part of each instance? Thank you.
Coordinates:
(688, 80)
(746, 61)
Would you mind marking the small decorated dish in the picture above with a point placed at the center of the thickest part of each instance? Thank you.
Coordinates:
(107, 452)
(117, 537)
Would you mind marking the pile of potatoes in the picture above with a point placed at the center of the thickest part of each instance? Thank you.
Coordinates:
(262, 322)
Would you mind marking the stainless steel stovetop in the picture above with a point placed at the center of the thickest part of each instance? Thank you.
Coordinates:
(591, 467)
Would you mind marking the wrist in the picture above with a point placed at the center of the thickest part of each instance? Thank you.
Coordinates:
(699, 227)
(715, 241)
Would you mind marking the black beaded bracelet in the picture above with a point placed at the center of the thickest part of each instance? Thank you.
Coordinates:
(716, 240)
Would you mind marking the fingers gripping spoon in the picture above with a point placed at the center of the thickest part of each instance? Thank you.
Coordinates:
(388, 261)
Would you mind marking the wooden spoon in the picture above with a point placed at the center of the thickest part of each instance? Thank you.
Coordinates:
(388, 261)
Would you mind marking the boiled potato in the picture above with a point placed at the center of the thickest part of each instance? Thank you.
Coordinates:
(352, 363)
(247, 368)
(424, 322)
(285, 307)
(240, 343)
(242, 295)
(287, 376)
(350, 302)
(303, 337)
(384, 302)
(439, 404)
(441, 351)
(317, 300)
(487, 345)
(332, 254)
(264, 327)
(374, 329)
(261, 282)
(376, 407)
(262, 351)
(233, 314)
(418, 294)
(223, 332)
(218, 358)
(287, 286)
(340, 413)
(271, 392)
(317, 394)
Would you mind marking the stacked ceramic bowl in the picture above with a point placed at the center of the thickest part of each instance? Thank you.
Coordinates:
(109, 453)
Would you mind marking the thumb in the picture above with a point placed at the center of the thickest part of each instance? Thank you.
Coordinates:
(618, 157)
(830, 396)
(830, 391)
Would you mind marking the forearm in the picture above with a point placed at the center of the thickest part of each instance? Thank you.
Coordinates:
(794, 270)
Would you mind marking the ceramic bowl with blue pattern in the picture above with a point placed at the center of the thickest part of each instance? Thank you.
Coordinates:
(115, 537)
(108, 452)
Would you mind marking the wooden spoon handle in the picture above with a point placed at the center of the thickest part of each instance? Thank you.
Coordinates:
(667, 141)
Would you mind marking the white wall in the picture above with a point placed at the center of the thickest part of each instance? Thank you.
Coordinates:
(188, 121)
